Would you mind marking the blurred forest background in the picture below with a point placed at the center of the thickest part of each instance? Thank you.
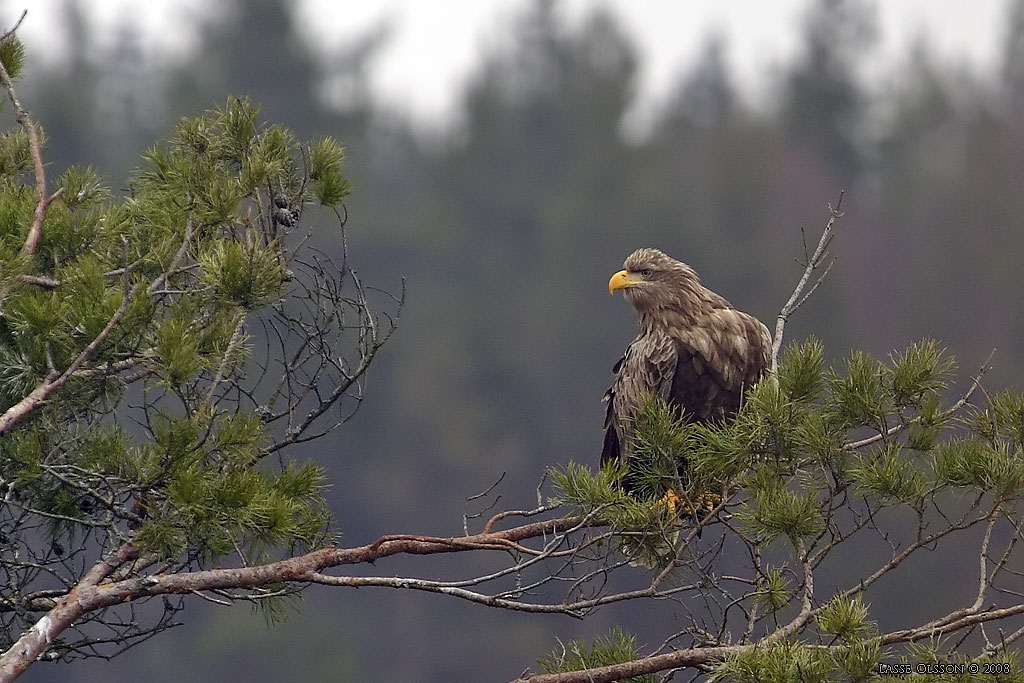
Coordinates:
(506, 228)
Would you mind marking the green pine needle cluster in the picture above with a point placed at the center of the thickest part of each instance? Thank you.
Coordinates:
(846, 619)
(616, 647)
(778, 510)
(790, 661)
(774, 592)
(870, 392)
(578, 486)
(242, 272)
(973, 463)
(326, 158)
(887, 474)
(1002, 419)
(644, 530)
(15, 154)
(601, 494)
(12, 55)
(662, 438)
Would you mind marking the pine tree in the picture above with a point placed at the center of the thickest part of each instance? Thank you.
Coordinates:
(161, 351)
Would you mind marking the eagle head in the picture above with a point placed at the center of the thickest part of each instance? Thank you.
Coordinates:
(652, 280)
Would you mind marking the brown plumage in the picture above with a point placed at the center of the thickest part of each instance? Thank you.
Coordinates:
(694, 349)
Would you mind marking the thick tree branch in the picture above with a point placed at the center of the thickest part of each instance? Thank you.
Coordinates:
(69, 609)
(701, 657)
(92, 594)
(693, 657)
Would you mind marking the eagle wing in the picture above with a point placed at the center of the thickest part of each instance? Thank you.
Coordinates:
(719, 359)
(648, 367)
(612, 449)
(701, 367)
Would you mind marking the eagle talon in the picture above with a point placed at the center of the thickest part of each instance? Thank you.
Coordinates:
(704, 503)
(670, 501)
(709, 500)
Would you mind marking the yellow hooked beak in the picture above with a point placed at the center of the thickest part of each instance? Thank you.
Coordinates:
(621, 280)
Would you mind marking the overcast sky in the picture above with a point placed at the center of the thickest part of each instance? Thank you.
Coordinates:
(433, 45)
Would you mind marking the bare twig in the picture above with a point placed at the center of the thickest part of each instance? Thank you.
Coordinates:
(11, 31)
(797, 298)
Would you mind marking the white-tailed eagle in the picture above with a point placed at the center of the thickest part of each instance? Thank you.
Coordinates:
(694, 350)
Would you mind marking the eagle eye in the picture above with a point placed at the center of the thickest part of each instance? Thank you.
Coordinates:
(646, 272)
